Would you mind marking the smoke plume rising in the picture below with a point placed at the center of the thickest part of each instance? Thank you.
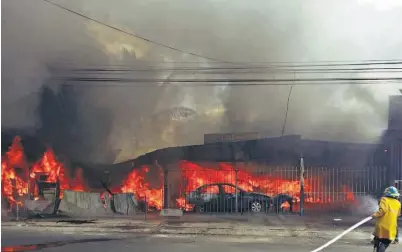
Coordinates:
(109, 122)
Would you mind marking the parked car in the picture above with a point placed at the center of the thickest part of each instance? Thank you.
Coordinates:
(221, 197)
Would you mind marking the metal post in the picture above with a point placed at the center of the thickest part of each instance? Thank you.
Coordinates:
(30, 194)
(237, 192)
(146, 207)
(301, 186)
(57, 196)
(18, 211)
(165, 189)
(234, 159)
(15, 196)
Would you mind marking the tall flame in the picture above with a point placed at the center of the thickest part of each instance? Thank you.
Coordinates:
(194, 176)
(135, 183)
(14, 158)
(17, 184)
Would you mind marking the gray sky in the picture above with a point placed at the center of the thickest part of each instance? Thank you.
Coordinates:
(36, 35)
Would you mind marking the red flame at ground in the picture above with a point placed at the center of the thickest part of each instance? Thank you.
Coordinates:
(55, 170)
(196, 176)
(135, 183)
(14, 184)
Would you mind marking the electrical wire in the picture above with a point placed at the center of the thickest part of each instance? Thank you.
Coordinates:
(233, 81)
(293, 67)
(287, 106)
(220, 70)
(134, 35)
(162, 85)
(369, 62)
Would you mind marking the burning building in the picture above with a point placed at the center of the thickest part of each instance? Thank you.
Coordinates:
(334, 173)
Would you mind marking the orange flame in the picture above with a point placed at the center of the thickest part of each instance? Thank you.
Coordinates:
(16, 183)
(195, 176)
(48, 164)
(135, 183)
(56, 172)
(14, 158)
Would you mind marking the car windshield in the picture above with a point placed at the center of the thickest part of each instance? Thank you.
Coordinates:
(230, 189)
(209, 189)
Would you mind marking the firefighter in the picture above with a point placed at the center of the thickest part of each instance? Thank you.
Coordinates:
(387, 219)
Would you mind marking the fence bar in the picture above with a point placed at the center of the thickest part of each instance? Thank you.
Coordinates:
(301, 186)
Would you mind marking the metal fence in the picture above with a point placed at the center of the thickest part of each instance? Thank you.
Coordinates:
(240, 187)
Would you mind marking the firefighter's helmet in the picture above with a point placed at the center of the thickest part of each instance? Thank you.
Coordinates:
(391, 192)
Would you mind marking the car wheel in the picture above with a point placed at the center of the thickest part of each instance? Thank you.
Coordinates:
(256, 206)
(200, 209)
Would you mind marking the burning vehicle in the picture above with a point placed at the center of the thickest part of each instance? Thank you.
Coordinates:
(222, 197)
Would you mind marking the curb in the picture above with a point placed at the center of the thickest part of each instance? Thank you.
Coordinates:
(200, 230)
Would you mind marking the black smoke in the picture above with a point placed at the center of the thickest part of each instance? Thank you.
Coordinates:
(98, 123)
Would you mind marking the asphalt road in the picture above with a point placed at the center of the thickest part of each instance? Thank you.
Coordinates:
(45, 241)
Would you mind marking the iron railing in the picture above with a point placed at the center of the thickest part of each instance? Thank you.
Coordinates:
(325, 188)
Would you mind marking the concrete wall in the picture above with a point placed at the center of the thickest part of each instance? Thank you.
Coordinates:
(83, 203)
(89, 203)
(125, 203)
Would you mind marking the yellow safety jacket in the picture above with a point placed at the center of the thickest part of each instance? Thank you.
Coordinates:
(387, 218)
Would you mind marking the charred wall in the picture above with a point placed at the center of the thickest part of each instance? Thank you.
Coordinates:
(282, 150)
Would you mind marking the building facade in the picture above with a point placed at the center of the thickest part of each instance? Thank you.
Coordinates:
(393, 140)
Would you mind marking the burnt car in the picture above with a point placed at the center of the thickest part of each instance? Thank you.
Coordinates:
(222, 198)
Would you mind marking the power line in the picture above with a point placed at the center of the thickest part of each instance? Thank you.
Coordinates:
(233, 81)
(246, 64)
(134, 35)
(293, 67)
(162, 85)
(206, 70)
(171, 47)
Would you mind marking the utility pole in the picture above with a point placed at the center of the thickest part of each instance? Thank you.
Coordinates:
(237, 155)
(301, 186)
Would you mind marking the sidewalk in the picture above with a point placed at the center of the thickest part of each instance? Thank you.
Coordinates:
(274, 220)
(309, 227)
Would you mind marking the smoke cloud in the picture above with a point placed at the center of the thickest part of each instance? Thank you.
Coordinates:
(115, 123)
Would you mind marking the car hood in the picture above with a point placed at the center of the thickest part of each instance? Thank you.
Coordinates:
(258, 194)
